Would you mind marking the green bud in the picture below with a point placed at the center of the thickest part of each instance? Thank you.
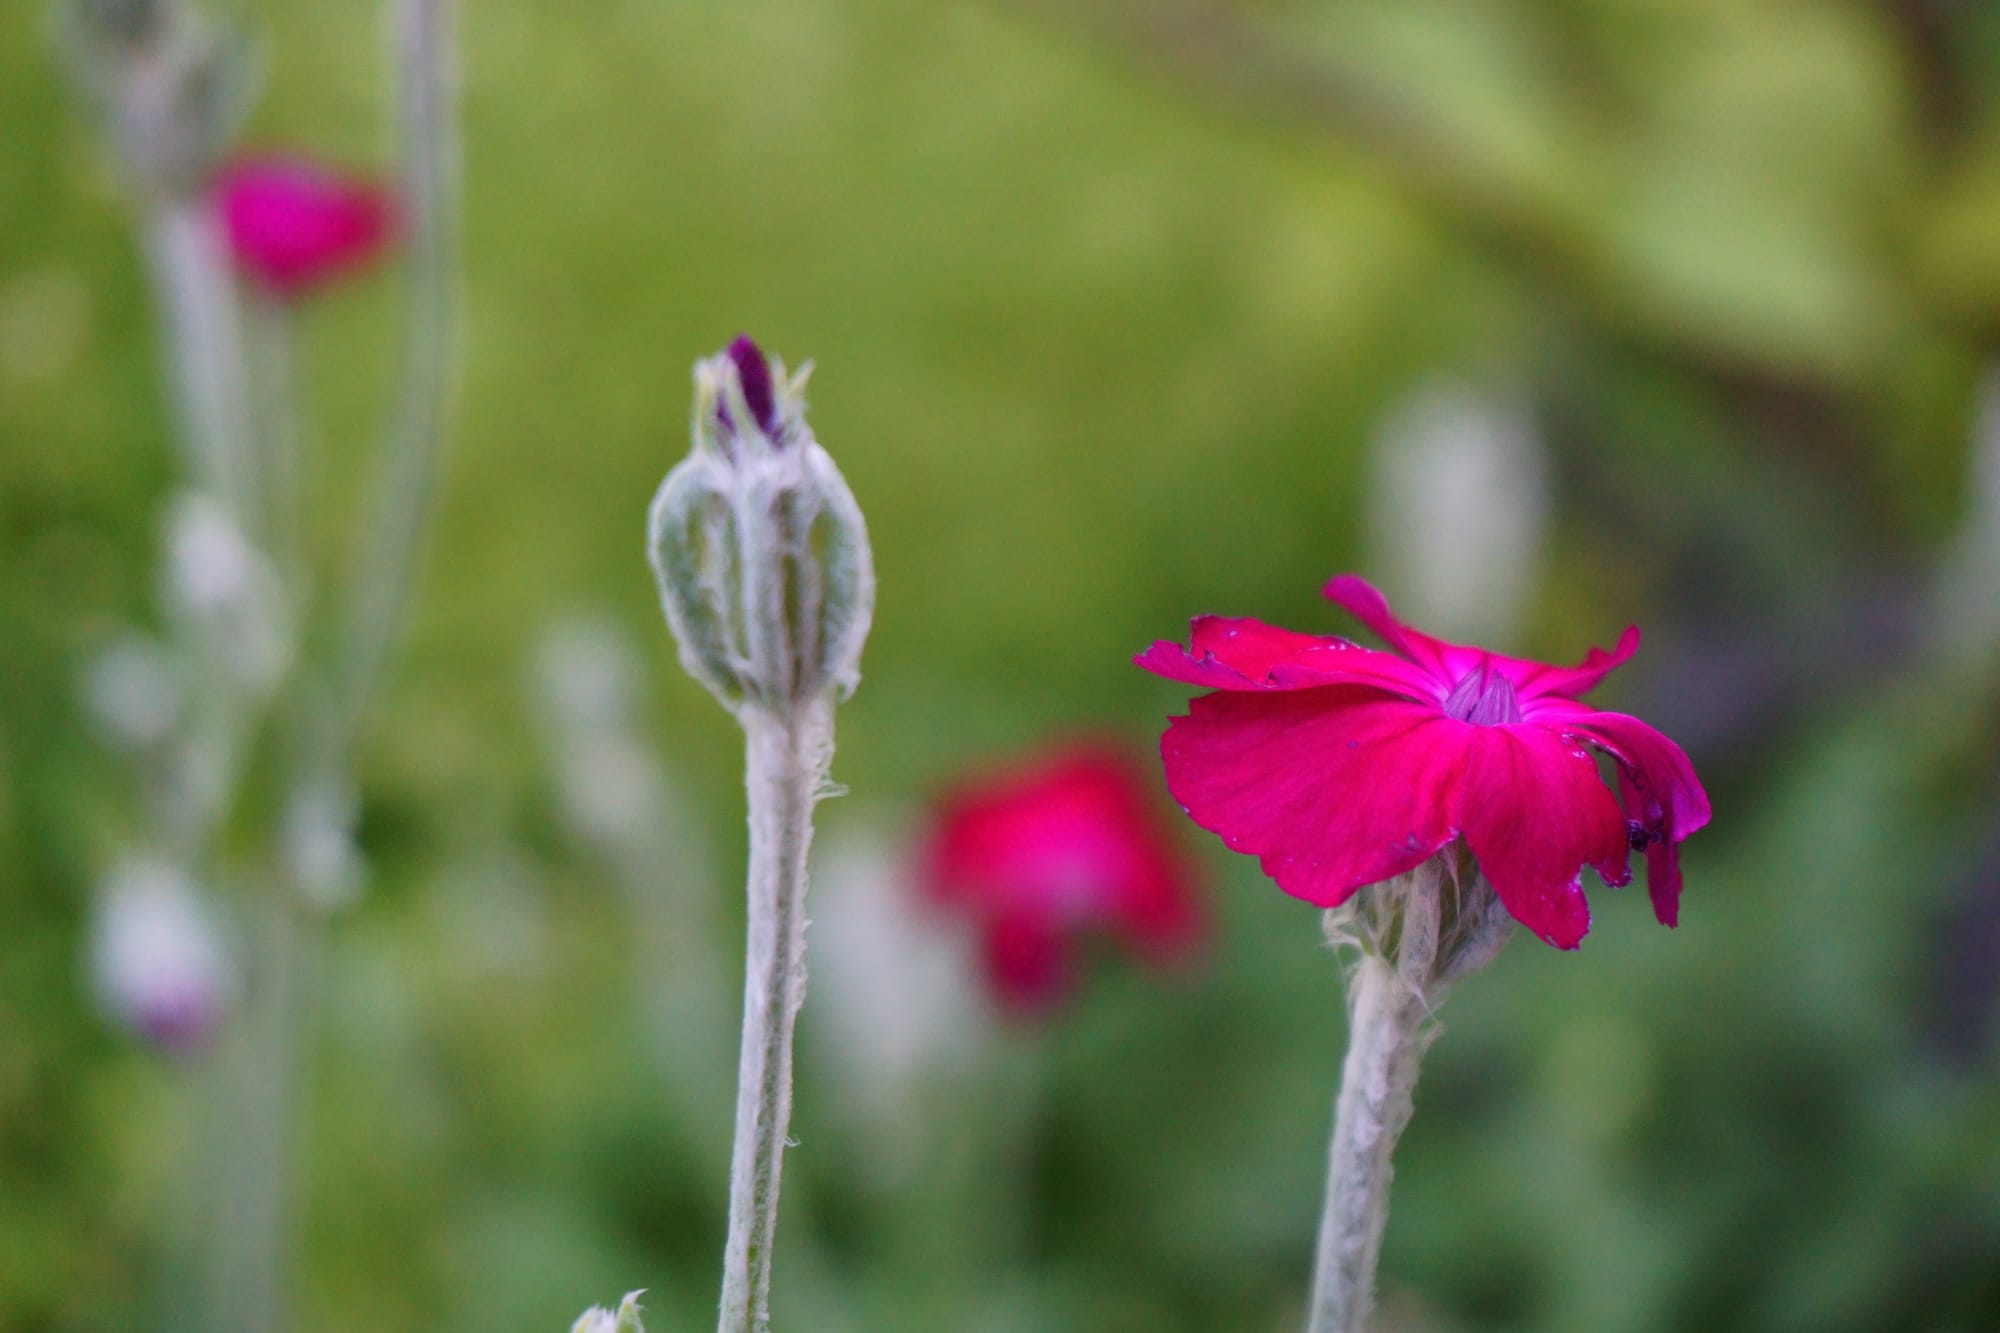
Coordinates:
(597, 1319)
(759, 548)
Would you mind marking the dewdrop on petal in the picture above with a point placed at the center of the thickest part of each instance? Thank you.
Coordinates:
(625, 1319)
(758, 545)
(157, 962)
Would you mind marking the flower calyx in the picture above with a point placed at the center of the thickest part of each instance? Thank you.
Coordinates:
(758, 545)
(169, 87)
(1433, 925)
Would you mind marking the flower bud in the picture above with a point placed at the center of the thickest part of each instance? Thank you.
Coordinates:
(133, 693)
(294, 225)
(169, 88)
(226, 593)
(316, 840)
(597, 1319)
(157, 963)
(759, 547)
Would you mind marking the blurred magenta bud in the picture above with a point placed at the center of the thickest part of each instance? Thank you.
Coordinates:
(1068, 843)
(625, 1319)
(294, 225)
(157, 962)
(759, 548)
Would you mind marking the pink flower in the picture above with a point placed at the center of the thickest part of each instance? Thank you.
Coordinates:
(1339, 766)
(1065, 844)
(293, 224)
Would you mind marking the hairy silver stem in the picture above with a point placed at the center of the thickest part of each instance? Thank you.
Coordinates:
(428, 202)
(203, 340)
(1389, 1030)
(1414, 935)
(786, 753)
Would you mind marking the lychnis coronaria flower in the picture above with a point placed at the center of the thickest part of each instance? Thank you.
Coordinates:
(1340, 766)
(292, 224)
(1066, 844)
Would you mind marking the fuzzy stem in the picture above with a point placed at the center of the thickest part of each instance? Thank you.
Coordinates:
(1388, 1030)
(261, 1163)
(204, 348)
(785, 765)
(427, 202)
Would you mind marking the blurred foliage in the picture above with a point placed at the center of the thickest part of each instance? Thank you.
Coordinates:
(1106, 301)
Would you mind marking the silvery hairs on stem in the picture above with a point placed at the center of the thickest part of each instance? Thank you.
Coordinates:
(767, 582)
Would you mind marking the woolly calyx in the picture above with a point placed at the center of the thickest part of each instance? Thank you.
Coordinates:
(625, 1319)
(1433, 926)
(169, 87)
(758, 546)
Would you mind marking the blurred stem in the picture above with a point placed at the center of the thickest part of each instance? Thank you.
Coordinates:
(281, 436)
(1387, 1034)
(259, 1163)
(428, 201)
(196, 296)
(785, 763)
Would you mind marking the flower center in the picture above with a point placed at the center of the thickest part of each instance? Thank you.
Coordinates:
(1483, 697)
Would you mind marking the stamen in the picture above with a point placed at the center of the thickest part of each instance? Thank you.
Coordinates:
(1483, 697)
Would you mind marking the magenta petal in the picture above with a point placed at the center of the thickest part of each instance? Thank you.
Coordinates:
(1663, 880)
(1657, 766)
(1027, 961)
(1360, 599)
(1664, 800)
(1536, 812)
(1330, 788)
(1238, 653)
(1167, 658)
(1569, 682)
(1246, 645)
(293, 224)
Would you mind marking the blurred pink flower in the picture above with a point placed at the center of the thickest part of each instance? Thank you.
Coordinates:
(293, 224)
(1340, 766)
(1064, 844)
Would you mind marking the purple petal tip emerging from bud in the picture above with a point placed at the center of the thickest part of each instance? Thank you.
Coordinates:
(754, 373)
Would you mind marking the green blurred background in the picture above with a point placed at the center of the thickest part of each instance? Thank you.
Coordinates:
(1109, 301)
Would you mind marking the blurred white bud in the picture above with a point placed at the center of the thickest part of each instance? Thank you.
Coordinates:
(898, 995)
(157, 961)
(625, 1319)
(132, 693)
(612, 788)
(218, 584)
(318, 843)
(588, 673)
(1459, 501)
